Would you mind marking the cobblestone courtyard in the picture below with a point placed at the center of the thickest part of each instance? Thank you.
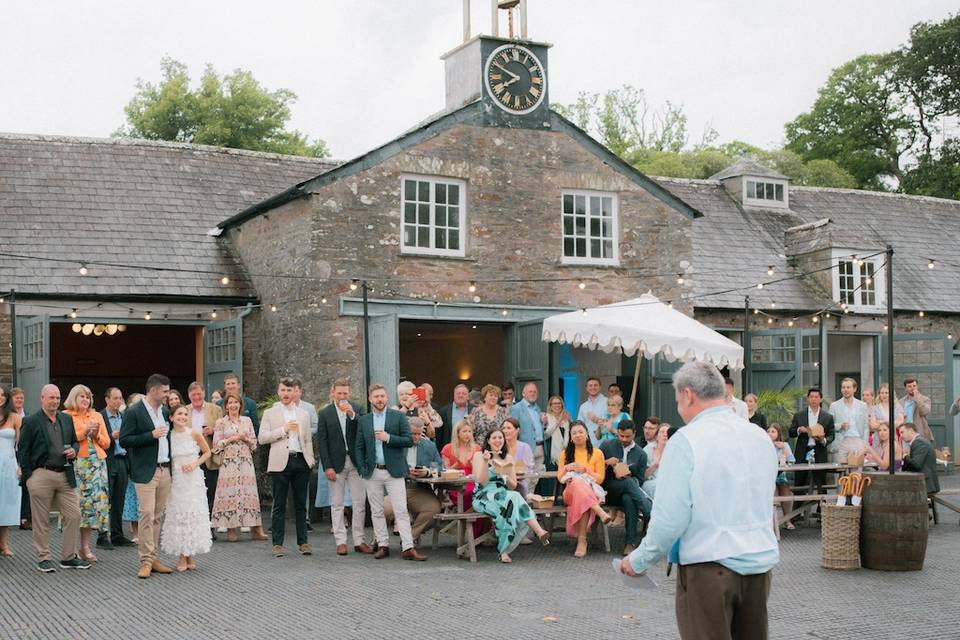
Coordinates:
(240, 590)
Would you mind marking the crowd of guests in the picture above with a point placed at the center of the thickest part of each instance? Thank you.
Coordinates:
(178, 470)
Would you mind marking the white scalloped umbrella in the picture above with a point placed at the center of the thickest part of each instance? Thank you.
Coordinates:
(647, 326)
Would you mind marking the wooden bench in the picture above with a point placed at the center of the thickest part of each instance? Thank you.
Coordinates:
(469, 547)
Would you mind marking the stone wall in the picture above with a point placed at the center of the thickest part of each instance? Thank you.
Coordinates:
(6, 353)
(514, 182)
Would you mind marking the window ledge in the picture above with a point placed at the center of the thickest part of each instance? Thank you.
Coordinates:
(436, 256)
(568, 262)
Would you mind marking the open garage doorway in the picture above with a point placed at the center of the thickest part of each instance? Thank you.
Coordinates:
(126, 358)
(446, 354)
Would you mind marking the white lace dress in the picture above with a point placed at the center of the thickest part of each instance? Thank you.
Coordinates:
(186, 527)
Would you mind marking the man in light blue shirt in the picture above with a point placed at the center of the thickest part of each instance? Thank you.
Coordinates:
(593, 409)
(714, 513)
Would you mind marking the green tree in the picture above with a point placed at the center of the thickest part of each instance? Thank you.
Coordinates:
(937, 174)
(233, 111)
(860, 121)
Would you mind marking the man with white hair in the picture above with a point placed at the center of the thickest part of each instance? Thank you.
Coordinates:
(714, 513)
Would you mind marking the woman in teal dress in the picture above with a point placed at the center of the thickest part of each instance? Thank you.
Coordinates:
(496, 496)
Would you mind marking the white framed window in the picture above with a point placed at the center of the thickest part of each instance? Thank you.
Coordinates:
(765, 192)
(433, 212)
(857, 282)
(590, 228)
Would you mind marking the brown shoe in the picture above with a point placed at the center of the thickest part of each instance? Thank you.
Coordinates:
(413, 554)
(341, 549)
(363, 547)
(382, 552)
(159, 567)
(305, 550)
(257, 533)
(277, 551)
(145, 570)
(628, 549)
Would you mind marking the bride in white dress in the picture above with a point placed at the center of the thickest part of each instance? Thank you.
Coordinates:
(186, 528)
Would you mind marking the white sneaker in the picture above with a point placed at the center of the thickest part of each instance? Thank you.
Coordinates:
(244, 529)
(222, 530)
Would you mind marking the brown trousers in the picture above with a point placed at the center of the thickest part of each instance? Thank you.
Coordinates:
(715, 603)
(152, 497)
(46, 489)
(422, 505)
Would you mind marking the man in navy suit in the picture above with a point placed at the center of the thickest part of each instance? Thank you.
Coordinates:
(145, 434)
(383, 437)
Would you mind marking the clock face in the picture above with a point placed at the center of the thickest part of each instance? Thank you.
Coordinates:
(514, 79)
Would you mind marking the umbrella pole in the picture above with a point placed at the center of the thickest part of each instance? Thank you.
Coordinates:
(633, 393)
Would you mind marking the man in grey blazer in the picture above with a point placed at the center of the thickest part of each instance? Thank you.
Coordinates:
(383, 437)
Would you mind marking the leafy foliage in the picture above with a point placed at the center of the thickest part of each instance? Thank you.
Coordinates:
(779, 405)
(233, 111)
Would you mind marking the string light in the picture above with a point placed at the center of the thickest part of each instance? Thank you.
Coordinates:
(868, 281)
(273, 308)
(353, 285)
(769, 320)
(770, 270)
(504, 312)
(670, 304)
(583, 311)
(816, 319)
(790, 323)
(83, 268)
(472, 287)
(213, 314)
(323, 300)
(679, 278)
(582, 285)
(921, 314)
(773, 305)
(73, 314)
(224, 280)
(474, 326)
(146, 316)
(756, 311)
(759, 285)
(931, 264)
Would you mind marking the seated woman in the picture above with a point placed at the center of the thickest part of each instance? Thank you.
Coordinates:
(882, 457)
(784, 456)
(496, 496)
(519, 451)
(458, 454)
(582, 471)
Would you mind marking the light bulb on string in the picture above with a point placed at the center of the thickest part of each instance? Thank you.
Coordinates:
(931, 264)
(790, 323)
(473, 287)
(756, 311)
(73, 313)
(583, 311)
(769, 320)
(773, 305)
(770, 270)
(146, 316)
(921, 314)
(273, 308)
(816, 319)
(213, 314)
(504, 312)
(582, 285)
(323, 300)
(759, 285)
(224, 280)
(83, 269)
(353, 285)
(679, 278)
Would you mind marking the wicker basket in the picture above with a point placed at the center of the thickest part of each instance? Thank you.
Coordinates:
(840, 537)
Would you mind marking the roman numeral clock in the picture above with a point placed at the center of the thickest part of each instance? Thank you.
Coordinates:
(514, 79)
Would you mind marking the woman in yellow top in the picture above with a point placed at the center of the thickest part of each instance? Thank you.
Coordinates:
(90, 466)
(582, 470)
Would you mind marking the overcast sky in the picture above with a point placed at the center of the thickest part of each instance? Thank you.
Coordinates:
(367, 70)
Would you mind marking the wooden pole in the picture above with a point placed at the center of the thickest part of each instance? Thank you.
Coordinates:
(636, 379)
(891, 407)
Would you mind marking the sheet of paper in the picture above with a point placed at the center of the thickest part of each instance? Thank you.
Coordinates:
(640, 583)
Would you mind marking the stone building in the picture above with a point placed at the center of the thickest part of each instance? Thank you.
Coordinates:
(466, 231)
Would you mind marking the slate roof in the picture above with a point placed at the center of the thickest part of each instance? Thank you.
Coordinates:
(747, 166)
(733, 246)
(129, 202)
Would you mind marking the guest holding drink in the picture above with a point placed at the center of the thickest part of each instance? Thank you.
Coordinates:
(236, 503)
(459, 455)
(519, 451)
(9, 471)
(753, 412)
(582, 470)
(93, 483)
(607, 425)
(882, 457)
(784, 456)
(497, 497)
(186, 527)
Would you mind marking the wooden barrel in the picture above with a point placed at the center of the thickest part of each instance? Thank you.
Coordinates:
(893, 524)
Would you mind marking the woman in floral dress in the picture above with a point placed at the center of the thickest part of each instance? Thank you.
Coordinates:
(90, 466)
(237, 501)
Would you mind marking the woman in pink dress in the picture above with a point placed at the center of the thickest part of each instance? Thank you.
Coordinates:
(237, 501)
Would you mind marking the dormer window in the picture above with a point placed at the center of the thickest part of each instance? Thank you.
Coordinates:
(765, 192)
(856, 281)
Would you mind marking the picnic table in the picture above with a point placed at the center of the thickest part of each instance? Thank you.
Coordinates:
(813, 494)
(463, 517)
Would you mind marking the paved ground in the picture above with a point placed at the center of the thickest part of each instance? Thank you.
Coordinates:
(239, 590)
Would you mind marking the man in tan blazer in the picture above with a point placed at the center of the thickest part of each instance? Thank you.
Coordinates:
(205, 415)
(286, 428)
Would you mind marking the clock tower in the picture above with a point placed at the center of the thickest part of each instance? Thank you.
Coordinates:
(507, 74)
